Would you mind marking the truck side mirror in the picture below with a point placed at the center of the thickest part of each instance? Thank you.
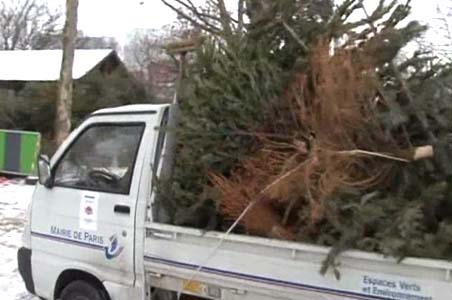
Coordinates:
(44, 172)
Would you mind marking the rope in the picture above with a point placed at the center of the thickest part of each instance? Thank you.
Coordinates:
(232, 227)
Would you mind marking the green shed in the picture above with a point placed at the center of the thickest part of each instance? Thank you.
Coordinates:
(18, 152)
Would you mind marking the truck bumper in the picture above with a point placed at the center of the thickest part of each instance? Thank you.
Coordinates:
(24, 263)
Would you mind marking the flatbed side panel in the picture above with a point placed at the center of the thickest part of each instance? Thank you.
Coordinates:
(304, 248)
(293, 275)
(227, 288)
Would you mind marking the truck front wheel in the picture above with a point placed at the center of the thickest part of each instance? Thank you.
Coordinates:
(82, 290)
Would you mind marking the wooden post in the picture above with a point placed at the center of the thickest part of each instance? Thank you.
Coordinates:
(182, 48)
(62, 126)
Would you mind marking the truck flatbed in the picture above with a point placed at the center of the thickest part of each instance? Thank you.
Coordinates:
(247, 267)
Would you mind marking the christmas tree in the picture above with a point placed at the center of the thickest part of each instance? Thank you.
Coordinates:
(308, 116)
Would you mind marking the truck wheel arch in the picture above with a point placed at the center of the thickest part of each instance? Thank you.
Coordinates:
(68, 276)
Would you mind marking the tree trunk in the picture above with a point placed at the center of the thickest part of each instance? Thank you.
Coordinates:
(64, 100)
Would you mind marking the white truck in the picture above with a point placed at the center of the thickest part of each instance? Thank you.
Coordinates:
(91, 235)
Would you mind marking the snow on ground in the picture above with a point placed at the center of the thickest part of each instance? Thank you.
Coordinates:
(14, 199)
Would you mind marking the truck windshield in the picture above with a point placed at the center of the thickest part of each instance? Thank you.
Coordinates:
(101, 159)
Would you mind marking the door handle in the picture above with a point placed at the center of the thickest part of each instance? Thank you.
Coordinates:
(163, 235)
(122, 209)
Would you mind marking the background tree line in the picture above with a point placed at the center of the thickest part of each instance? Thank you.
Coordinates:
(32, 25)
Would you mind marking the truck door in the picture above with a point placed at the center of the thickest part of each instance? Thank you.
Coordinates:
(86, 218)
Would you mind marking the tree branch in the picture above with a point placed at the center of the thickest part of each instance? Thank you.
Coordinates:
(225, 18)
(295, 36)
(241, 13)
(422, 118)
(27, 24)
(206, 27)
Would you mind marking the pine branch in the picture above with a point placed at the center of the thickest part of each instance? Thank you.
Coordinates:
(225, 18)
(296, 37)
(241, 13)
(422, 118)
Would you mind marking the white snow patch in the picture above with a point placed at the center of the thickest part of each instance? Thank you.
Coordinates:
(14, 200)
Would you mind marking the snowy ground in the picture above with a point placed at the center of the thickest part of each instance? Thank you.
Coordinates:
(14, 199)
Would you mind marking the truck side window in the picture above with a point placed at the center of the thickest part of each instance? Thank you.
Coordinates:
(101, 159)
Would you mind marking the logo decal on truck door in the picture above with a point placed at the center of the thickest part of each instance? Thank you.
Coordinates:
(113, 250)
(88, 211)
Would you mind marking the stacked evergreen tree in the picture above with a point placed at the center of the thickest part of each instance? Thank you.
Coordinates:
(317, 121)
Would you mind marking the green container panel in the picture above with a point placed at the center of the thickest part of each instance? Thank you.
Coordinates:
(18, 152)
(2, 149)
(29, 152)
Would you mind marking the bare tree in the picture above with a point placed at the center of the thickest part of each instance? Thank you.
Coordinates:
(64, 101)
(223, 18)
(144, 47)
(444, 31)
(27, 24)
(146, 55)
(437, 40)
(95, 42)
(199, 17)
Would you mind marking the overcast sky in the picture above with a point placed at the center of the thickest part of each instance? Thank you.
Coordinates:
(116, 18)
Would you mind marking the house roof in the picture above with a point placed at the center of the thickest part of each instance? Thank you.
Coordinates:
(45, 65)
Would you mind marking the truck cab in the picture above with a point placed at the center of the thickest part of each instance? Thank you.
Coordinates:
(86, 219)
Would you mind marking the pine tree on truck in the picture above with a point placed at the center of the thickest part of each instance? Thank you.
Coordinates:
(333, 104)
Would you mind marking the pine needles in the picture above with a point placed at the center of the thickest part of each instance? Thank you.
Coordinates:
(336, 145)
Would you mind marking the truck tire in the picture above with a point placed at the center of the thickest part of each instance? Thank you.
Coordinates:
(82, 290)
